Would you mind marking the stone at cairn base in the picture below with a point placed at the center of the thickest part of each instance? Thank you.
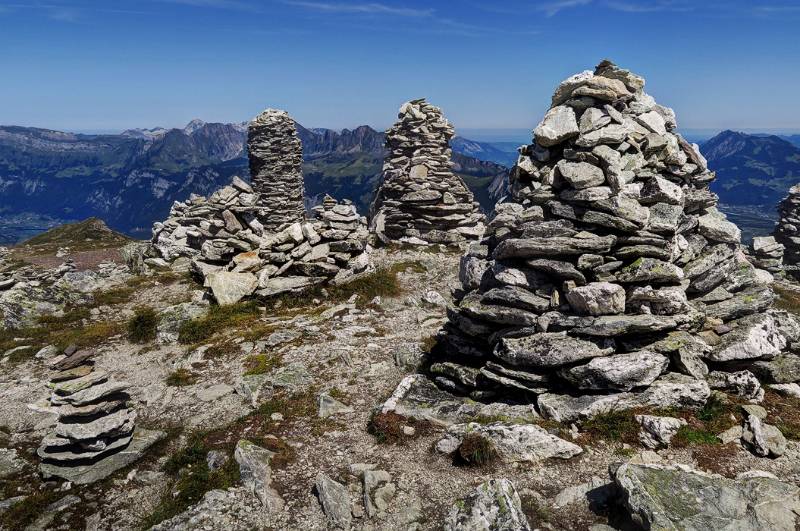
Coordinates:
(83, 474)
(610, 271)
(420, 200)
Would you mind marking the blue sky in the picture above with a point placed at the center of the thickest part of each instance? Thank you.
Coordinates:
(110, 65)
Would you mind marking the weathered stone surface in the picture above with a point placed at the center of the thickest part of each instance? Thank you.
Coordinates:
(547, 350)
(597, 298)
(256, 472)
(558, 125)
(513, 442)
(763, 439)
(495, 505)
(621, 372)
(335, 500)
(229, 288)
(755, 337)
(658, 431)
(660, 497)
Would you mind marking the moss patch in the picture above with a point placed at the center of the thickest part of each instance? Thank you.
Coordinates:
(261, 363)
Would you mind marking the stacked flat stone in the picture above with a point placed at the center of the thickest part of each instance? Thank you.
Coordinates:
(766, 253)
(275, 155)
(237, 256)
(255, 239)
(788, 230)
(95, 433)
(420, 199)
(610, 280)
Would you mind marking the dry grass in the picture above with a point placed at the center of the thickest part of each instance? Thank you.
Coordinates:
(478, 451)
(387, 428)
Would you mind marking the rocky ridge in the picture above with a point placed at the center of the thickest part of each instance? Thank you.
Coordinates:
(609, 280)
(247, 239)
(420, 200)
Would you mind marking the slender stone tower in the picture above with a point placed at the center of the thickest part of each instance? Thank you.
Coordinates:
(276, 157)
(420, 199)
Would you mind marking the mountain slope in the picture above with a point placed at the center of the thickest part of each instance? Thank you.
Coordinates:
(752, 170)
(130, 180)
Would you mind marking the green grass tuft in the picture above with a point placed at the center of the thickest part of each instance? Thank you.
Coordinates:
(143, 326)
(219, 318)
(181, 378)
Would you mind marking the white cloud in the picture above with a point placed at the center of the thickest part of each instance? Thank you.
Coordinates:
(365, 8)
(553, 8)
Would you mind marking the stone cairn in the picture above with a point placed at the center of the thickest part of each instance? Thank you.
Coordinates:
(276, 158)
(420, 199)
(766, 253)
(245, 239)
(788, 230)
(610, 280)
(95, 434)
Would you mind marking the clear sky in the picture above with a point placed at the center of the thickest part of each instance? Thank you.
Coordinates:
(115, 64)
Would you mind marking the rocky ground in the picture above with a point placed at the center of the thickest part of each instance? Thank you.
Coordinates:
(304, 378)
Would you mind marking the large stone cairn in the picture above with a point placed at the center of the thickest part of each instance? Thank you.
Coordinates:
(788, 230)
(610, 279)
(236, 254)
(95, 433)
(420, 199)
(276, 158)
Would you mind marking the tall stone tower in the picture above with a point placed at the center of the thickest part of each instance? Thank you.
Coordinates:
(420, 199)
(276, 157)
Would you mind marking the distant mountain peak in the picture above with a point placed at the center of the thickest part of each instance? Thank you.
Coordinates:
(193, 126)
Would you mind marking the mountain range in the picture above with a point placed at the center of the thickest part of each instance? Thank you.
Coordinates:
(131, 179)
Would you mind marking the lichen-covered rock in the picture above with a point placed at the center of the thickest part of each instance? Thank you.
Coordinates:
(672, 498)
(494, 506)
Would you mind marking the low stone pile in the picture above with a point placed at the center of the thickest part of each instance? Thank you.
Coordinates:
(788, 230)
(610, 280)
(243, 240)
(766, 253)
(95, 434)
(420, 199)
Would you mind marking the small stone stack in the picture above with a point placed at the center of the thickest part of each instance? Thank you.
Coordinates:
(276, 171)
(788, 230)
(766, 253)
(420, 199)
(610, 280)
(95, 434)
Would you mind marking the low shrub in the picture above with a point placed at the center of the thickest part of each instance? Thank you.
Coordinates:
(143, 326)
